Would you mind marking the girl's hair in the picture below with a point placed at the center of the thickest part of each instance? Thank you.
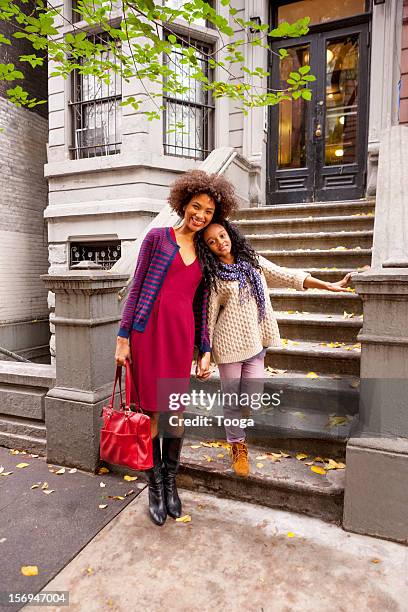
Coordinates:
(194, 182)
(210, 262)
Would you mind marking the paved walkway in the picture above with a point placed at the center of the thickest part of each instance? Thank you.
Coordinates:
(231, 556)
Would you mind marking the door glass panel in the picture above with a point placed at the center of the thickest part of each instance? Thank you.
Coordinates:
(320, 12)
(341, 100)
(292, 114)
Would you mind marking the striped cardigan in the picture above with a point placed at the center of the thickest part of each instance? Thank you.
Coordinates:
(156, 254)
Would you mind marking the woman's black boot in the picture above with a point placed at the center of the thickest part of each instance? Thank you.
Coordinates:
(157, 505)
(171, 463)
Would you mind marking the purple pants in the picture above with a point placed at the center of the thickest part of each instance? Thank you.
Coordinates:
(238, 378)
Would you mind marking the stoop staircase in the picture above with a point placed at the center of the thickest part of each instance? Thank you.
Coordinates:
(317, 367)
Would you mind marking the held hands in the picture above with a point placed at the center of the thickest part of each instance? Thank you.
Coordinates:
(203, 366)
(122, 351)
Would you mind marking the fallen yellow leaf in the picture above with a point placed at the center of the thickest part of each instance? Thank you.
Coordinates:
(48, 491)
(301, 456)
(317, 469)
(22, 465)
(290, 534)
(220, 455)
(312, 375)
(61, 471)
(72, 471)
(375, 561)
(102, 485)
(29, 570)
(129, 478)
(184, 519)
(335, 421)
(195, 446)
(102, 506)
(34, 486)
(103, 470)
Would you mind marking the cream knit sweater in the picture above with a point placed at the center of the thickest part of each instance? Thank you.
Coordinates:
(234, 330)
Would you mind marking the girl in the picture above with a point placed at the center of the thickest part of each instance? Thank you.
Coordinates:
(241, 321)
(164, 315)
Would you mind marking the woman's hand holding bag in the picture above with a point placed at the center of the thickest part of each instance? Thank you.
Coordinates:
(125, 437)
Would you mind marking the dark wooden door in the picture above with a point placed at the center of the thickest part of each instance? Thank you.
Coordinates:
(317, 150)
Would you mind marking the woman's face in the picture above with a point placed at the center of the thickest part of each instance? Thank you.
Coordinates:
(218, 241)
(199, 212)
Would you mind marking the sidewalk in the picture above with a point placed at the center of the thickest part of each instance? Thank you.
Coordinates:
(231, 555)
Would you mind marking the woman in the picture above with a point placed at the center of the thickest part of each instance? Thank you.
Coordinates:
(164, 316)
(241, 321)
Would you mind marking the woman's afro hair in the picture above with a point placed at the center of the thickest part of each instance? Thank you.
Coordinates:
(194, 182)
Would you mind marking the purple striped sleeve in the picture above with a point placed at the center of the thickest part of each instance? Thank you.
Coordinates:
(143, 262)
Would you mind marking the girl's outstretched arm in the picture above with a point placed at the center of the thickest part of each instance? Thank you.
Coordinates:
(315, 283)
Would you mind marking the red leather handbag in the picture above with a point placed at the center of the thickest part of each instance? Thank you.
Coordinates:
(125, 436)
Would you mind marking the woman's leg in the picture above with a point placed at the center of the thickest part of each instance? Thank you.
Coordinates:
(157, 504)
(173, 436)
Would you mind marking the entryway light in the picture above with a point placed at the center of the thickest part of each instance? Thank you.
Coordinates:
(339, 152)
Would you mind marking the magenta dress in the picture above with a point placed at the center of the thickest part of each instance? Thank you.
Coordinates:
(163, 352)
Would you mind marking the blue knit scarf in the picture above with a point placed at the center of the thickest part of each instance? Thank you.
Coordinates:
(249, 282)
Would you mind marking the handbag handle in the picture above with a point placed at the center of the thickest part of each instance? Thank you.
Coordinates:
(118, 377)
(129, 382)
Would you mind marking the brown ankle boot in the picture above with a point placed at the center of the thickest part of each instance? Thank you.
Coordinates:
(239, 456)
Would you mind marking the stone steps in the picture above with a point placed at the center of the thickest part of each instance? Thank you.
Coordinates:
(318, 258)
(287, 484)
(314, 300)
(318, 209)
(311, 240)
(317, 412)
(319, 327)
(359, 221)
(31, 444)
(311, 356)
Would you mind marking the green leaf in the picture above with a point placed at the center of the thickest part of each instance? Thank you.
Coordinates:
(306, 94)
(304, 69)
(283, 53)
(172, 38)
(295, 76)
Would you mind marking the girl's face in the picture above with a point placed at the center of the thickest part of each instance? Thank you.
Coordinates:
(199, 212)
(218, 241)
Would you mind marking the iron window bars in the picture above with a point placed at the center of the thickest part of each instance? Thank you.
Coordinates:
(194, 108)
(96, 114)
(104, 253)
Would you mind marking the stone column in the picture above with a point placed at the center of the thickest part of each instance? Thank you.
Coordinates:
(87, 315)
(376, 495)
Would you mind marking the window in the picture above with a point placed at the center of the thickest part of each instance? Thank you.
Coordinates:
(194, 108)
(96, 114)
(104, 253)
(178, 4)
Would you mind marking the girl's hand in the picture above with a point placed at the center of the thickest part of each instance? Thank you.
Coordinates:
(311, 282)
(122, 351)
(203, 366)
(340, 285)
